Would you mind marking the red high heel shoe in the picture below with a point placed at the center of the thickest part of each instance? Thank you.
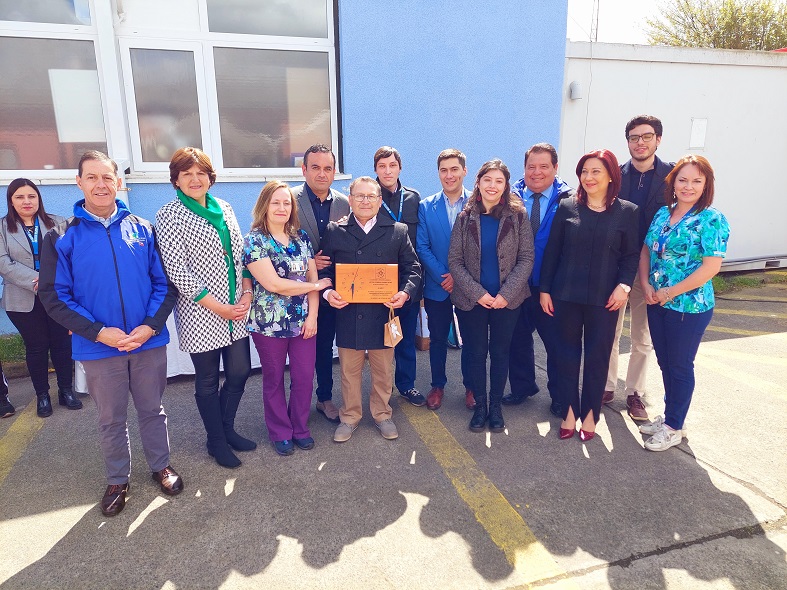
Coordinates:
(566, 433)
(584, 435)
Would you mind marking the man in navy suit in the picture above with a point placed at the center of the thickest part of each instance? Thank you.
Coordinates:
(436, 217)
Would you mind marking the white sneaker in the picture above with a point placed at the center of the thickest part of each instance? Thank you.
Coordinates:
(664, 439)
(655, 426)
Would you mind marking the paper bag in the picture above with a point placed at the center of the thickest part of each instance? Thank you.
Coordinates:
(393, 330)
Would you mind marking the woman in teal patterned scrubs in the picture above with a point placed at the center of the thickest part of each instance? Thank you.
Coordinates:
(283, 319)
(683, 251)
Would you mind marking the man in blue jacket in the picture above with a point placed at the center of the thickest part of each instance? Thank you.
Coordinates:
(436, 216)
(102, 278)
(541, 191)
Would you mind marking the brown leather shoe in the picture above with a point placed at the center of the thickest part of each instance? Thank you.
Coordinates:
(171, 483)
(469, 400)
(608, 397)
(636, 407)
(435, 398)
(114, 499)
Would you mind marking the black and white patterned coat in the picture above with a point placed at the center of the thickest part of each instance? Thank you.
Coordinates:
(193, 260)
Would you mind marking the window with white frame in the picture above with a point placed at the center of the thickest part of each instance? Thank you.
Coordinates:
(251, 82)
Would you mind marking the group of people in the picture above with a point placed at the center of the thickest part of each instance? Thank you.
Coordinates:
(504, 259)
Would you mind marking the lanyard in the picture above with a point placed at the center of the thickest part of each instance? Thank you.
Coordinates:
(32, 237)
(387, 208)
(661, 241)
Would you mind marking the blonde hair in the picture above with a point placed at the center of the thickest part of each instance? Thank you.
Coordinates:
(259, 214)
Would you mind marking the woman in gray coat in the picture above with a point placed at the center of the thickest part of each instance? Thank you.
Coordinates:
(21, 232)
(490, 258)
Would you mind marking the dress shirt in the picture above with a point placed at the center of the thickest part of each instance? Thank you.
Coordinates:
(455, 209)
(321, 209)
(543, 201)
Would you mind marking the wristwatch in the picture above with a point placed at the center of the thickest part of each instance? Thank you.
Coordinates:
(625, 288)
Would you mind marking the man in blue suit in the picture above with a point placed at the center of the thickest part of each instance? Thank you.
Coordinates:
(541, 191)
(436, 217)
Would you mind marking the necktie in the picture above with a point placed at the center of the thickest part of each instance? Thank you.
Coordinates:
(535, 213)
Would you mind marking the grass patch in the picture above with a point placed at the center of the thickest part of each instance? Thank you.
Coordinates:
(12, 348)
(729, 282)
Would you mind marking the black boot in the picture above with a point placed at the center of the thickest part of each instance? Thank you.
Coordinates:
(229, 406)
(210, 411)
(43, 405)
(6, 408)
(478, 421)
(66, 397)
(496, 423)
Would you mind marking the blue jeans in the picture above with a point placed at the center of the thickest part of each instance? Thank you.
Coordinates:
(522, 370)
(404, 353)
(676, 338)
(323, 364)
(440, 315)
(487, 332)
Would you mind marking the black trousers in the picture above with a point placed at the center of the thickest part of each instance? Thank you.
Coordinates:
(590, 328)
(237, 366)
(43, 337)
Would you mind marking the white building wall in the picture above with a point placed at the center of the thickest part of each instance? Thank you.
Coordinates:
(741, 94)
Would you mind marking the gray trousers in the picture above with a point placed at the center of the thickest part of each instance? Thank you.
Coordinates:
(109, 381)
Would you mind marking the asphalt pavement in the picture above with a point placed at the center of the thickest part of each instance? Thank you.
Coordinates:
(441, 507)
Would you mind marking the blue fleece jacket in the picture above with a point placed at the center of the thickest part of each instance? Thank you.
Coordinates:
(94, 276)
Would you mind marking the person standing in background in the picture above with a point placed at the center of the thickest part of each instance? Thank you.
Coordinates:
(318, 204)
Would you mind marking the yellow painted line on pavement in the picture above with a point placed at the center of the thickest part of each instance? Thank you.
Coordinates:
(736, 331)
(755, 297)
(754, 314)
(17, 437)
(502, 522)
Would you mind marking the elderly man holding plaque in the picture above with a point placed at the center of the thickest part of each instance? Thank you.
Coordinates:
(362, 248)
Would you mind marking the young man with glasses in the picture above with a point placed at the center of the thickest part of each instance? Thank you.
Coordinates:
(643, 183)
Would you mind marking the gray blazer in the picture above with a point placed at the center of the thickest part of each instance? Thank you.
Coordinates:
(515, 255)
(339, 208)
(17, 267)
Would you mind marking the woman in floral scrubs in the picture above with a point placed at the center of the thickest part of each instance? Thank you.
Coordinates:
(683, 251)
(283, 319)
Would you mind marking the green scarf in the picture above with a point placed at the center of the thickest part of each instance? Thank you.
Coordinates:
(213, 214)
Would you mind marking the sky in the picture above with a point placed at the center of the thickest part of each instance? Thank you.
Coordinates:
(619, 21)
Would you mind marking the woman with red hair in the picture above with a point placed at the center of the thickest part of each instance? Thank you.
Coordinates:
(589, 265)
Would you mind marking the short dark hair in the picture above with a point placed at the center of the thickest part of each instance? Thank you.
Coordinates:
(542, 148)
(386, 152)
(474, 202)
(13, 219)
(448, 154)
(368, 179)
(98, 156)
(185, 158)
(706, 199)
(318, 148)
(613, 169)
(645, 120)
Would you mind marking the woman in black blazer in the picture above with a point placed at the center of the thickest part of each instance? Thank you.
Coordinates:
(589, 265)
(21, 233)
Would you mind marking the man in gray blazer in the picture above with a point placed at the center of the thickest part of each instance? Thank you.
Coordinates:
(318, 204)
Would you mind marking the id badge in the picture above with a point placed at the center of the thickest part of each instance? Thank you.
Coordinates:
(298, 266)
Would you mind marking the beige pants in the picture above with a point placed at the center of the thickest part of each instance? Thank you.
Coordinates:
(641, 345)
(381, 364)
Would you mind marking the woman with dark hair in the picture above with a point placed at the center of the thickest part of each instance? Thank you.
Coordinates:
(683, 250)
(283, 316)
(21, 236)
(490, 258)
(202, 251)
(589, 264)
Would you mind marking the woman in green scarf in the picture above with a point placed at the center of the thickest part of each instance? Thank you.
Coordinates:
(202, 249)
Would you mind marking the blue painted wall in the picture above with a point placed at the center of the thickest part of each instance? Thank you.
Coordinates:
(484, 77)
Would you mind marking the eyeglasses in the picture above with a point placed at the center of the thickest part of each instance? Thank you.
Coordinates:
(646, 137)
(362, 198)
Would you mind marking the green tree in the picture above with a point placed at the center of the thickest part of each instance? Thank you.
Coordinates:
(720, 24)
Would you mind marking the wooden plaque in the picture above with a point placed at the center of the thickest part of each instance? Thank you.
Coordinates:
(367, 283)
